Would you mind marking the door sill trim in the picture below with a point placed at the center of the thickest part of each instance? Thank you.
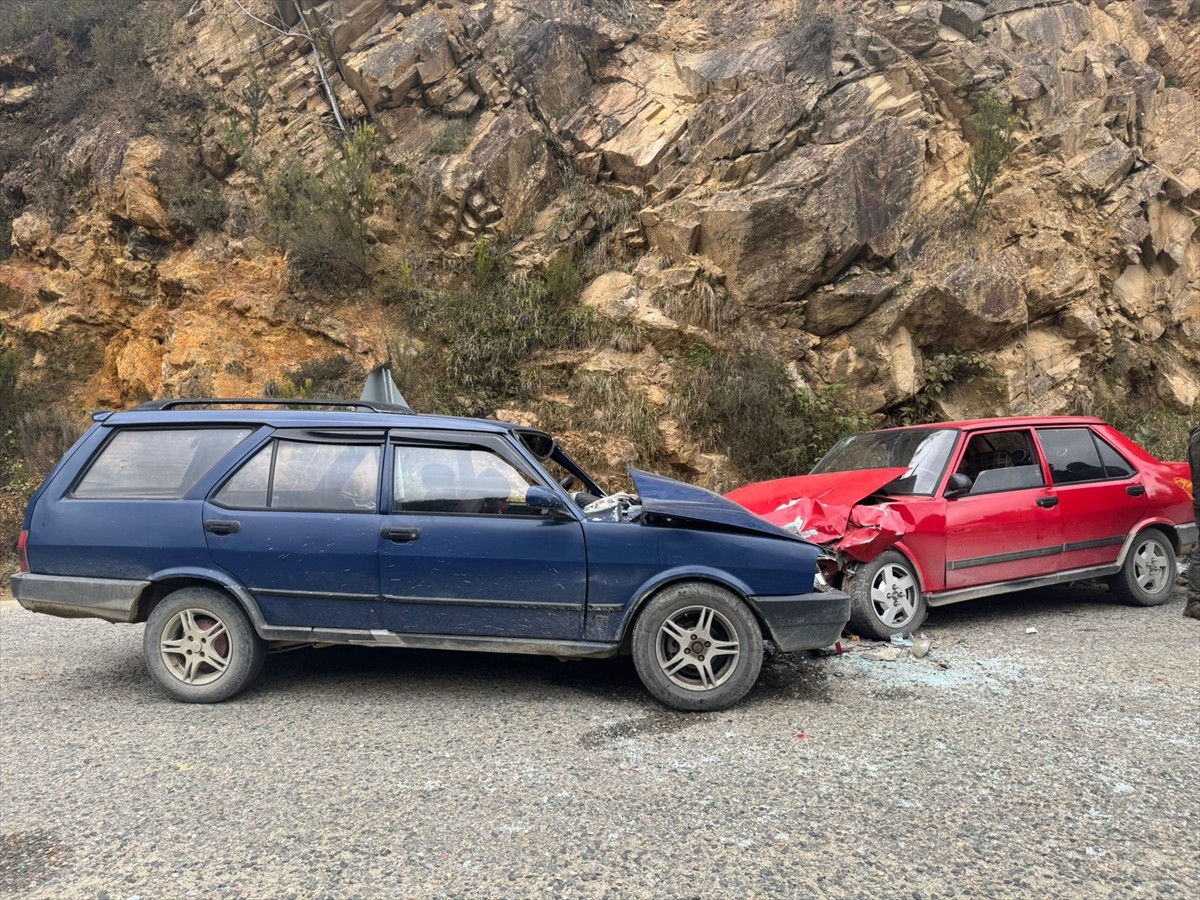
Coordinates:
(1025, 584)
(470, 643)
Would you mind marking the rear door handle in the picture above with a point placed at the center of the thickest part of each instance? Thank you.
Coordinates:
(1047, 502)
(1135, 490)
(222, 526)
(401, 535)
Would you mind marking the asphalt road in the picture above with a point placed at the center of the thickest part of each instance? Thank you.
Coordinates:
(1061, 763)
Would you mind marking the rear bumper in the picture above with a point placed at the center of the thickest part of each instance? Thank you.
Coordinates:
(1187, 537)
(111, 599)
(804, 621)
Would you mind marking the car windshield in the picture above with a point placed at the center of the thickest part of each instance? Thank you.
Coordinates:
(922, 452)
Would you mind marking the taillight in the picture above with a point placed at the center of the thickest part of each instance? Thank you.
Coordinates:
(22, 551)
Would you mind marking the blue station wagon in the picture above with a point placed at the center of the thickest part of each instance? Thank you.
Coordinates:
(231, 526)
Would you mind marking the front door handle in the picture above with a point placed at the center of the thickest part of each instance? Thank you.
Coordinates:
(401, 535)
(1135, 490)
(222, 526)
(1047, 502)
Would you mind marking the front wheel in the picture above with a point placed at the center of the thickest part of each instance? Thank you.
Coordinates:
(697, 647)
(200, 646)
(1148, 574)
(885, 597)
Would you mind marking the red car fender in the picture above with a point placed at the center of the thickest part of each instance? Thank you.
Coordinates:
(851, 565)
(1159, 522)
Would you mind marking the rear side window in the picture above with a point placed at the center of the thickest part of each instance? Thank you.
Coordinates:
(158, 464)
(1076, 455)
(307, 477)
(1115, 465)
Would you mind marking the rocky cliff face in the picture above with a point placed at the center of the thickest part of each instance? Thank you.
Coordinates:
(727, 171)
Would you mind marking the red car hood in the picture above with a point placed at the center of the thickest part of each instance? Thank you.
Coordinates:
(824, 509)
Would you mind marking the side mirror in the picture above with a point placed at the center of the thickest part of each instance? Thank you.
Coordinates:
(959, 484)
(543, 498)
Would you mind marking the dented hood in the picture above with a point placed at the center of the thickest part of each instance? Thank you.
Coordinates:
(668, 497)
(823, 508)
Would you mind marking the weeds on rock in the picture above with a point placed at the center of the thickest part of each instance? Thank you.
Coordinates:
(742, 403)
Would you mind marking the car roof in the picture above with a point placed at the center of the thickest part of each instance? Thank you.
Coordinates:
(1008, 422)
(350, 417)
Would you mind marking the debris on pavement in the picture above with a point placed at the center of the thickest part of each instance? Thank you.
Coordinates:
(1031, 630)
(884, 654)
(921, 647)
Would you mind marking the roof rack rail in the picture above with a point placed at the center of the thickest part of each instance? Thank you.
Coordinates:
(271, 401)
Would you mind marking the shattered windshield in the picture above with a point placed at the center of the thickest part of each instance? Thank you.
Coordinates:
(922, 452)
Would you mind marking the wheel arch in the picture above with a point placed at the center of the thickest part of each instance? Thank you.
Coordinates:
(1166, 526)
(163, 584)
(909, 557)
(711, 577)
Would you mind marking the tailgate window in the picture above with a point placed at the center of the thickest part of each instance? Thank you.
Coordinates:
(156, 464)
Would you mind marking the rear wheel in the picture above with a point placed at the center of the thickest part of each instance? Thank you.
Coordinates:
(200, 646)
(697, 647)
(1148, 574)
(885, 597)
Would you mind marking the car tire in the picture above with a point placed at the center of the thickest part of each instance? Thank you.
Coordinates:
(670, 638)
(1147, 576)
(191, 663)
(885, 597)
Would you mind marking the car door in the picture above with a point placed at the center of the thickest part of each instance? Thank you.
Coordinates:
(1007, 526)
(298, 525)
(1102, 496)
(460, 553)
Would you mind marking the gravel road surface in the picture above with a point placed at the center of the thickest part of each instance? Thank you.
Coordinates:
(1064, 762)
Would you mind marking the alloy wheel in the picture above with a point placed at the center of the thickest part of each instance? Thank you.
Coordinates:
(697, 648)
(195, 647)
(894, 596)
(1150, 567)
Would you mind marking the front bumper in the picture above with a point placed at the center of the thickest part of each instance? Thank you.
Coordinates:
(111, 599)
(804, 621)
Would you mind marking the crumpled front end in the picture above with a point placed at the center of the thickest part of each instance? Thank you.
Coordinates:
(826, 510)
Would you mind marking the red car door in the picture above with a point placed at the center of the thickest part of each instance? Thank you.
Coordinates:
(1101, 495)
(1007, 527)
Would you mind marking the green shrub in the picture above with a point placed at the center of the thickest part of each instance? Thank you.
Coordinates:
(454, 138)
(336, 377)
(10, 367)
(993, 123)
(6, 219)
(602, 408)
(480, 335)
(942, 371)
(193, 208)
(563, 281)
(743, 404)
(320, 219)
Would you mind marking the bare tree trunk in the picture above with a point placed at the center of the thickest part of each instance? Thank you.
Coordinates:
(329, 91)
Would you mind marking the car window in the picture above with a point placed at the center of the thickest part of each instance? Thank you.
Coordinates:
(1074, 456)
(1001, 461)
(1115, 465)
(310, 477)
(470, 480)
(157, 464)
(923, 452)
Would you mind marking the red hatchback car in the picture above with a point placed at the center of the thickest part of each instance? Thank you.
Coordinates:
(935, 514)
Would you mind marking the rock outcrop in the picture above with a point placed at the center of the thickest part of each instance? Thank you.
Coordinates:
(797, 160)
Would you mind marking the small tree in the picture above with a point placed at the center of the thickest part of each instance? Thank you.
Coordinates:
(320, 219)
(993, 123)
